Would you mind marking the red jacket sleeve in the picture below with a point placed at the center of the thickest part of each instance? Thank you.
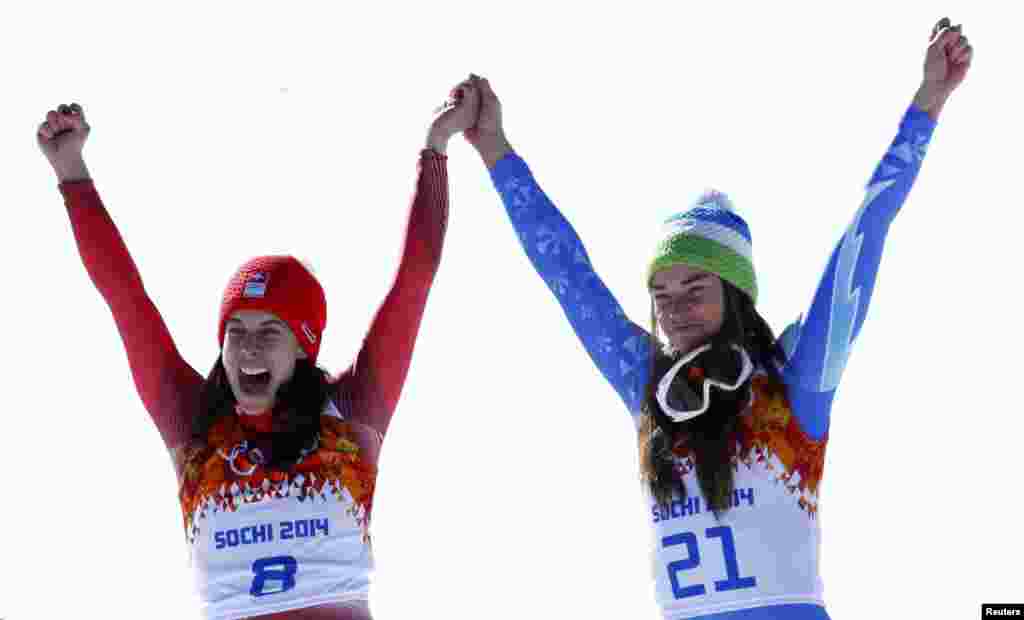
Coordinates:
(168, 386)
(370, 388)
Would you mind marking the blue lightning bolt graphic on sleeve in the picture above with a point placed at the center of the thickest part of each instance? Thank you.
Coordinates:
(846, 298)
(818, 346)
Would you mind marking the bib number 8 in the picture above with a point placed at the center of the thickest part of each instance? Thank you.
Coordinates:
(279, 571)
(733, 580)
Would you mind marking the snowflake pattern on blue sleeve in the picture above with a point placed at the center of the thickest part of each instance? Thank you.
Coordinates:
(617, 346)
(818, 347)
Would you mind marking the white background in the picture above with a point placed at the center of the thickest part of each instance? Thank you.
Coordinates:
(508, 484)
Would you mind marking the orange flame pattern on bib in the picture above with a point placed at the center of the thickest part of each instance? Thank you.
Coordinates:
(209, 482)
(768, 428)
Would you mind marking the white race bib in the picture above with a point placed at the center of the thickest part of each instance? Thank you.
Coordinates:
(280, 554)
(264, 541)
(765, 549)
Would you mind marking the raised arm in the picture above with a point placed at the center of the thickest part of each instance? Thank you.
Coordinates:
(619, 348)
(819, 345)
(168, 386)
(371, 387)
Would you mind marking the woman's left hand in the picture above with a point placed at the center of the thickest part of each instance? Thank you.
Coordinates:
(945, 65)
(457, 114)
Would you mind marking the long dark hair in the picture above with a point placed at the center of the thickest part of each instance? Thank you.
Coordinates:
(710, 436)
(296, 416)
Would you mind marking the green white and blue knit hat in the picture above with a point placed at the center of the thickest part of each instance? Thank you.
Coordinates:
(709, 236)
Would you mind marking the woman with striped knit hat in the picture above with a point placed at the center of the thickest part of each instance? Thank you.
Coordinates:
(276, 461)
(732, 423)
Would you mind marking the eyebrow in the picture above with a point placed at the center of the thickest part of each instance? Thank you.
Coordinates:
(659, 287)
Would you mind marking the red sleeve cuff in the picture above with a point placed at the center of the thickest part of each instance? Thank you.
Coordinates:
(429, 153)
(77, 190)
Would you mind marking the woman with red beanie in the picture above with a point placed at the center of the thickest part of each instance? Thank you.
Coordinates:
(276, 461)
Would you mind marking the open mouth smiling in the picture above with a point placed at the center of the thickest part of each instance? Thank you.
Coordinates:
(254, 380)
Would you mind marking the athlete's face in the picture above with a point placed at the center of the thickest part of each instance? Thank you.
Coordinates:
(689, 305)
(259, 356)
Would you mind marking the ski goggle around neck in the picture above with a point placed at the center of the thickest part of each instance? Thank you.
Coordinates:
(696, 402)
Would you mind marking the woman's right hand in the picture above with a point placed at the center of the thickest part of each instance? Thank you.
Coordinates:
(488, 136)
(61, 138)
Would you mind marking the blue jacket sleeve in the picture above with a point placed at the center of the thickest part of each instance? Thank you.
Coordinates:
(619, 348)
(818, 346)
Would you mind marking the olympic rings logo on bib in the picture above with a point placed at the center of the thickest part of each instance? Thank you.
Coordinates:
(242, 460)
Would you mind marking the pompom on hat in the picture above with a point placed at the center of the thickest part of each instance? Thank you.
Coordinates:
(285, 287)
(709, 236)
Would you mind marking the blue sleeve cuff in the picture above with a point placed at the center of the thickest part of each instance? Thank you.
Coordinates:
(918, 120)
(509, 166)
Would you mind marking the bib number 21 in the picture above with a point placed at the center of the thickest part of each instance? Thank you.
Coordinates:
(273, 575)
(733, 581)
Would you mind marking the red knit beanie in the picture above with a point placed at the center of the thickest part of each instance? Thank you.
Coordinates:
(283, 286)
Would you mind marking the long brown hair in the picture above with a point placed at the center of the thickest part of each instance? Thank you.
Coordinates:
(710, 437)
(296, 416)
